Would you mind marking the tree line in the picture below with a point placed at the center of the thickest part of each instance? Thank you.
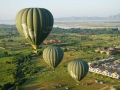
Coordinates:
(87, 31)
(12, 30)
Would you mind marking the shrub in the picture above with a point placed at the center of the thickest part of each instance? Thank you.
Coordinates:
(117, 87)
(7, 86)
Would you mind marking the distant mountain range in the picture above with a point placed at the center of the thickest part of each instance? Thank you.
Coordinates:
(112, 17)
(69, 19)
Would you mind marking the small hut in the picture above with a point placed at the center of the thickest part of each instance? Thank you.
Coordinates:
(117, 48)
(45, 42)
(97, 50)
(103, 51)
(59, 41)
(108, 52)
(52, 41)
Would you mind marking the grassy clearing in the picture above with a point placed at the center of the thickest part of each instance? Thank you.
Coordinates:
(50, 80)
(5, 70)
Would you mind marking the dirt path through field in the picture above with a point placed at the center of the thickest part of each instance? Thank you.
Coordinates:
(108, 87)
(104, 87)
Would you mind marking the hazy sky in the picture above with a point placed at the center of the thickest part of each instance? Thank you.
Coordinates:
(61, 8)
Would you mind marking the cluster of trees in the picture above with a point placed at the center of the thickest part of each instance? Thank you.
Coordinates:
(8, 31)
(24, 68)
(7, 27)
(116, 87)
(87, 31)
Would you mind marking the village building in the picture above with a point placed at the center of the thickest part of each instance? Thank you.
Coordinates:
(108, 68)
(59, 41)
(89, 64)
(108, 65)
(107, 73)
(52, 41)
(108, 52)
(116, 66)
(45, 42)
(115, 75)
(97, 50)
(112, 58)
(92, 69)
(117, 61)
(117, 48)
(99, 70)
(103, 51)
(111, 49)
(103, 60)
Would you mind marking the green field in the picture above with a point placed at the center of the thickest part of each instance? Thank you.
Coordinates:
(78, 47)
(48, 80)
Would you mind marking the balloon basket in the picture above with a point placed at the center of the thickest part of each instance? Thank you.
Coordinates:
(35, 51)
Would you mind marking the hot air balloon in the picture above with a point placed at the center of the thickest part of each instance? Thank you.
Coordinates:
(78, 69)
(34, 24)
(53, 55)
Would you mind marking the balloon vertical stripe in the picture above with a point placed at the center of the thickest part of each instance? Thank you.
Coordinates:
(34, 24)
(53, 56)
(78, 69)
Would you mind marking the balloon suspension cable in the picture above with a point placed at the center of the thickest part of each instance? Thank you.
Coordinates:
(35, 48)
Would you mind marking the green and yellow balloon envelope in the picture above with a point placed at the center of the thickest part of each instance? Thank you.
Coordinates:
(78, 69)
(34, 24)
(53, 55)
